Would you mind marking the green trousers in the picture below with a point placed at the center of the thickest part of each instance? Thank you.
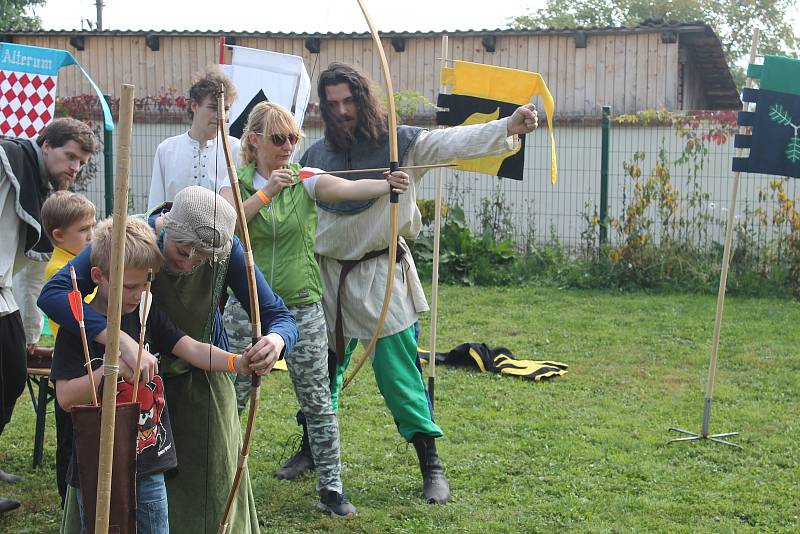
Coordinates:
(399, 377)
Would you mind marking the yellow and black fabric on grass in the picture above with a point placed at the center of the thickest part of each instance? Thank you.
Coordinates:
(482, 93)
(498, 360)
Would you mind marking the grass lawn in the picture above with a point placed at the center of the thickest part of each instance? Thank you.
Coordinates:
(585, 452)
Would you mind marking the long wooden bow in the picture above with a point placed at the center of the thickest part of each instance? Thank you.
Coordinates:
(394, 198)
(255, 315)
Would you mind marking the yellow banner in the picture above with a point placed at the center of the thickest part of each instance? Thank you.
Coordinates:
(505, 85)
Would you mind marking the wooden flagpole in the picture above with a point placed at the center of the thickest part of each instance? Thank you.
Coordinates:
(111, 358)
(437, 233)
(723, 282)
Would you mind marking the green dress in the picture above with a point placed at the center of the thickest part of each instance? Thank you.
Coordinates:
(205, 424)
(202, 408)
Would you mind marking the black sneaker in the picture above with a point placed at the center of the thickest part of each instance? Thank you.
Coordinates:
(8, 477)
(302, 462)
(335, 504)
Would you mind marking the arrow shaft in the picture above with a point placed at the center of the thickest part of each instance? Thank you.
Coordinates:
(384, 169)
(85, 343)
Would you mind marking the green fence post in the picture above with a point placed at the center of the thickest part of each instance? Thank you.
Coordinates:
(108, 158)
(604, 175)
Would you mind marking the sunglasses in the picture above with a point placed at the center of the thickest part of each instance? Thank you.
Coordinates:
(280, 139)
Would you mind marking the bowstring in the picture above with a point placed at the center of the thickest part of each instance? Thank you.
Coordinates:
(215, 308)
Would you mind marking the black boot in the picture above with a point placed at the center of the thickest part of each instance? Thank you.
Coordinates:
(335, 504)
(435, 488)
(300, 463)
(6, 505)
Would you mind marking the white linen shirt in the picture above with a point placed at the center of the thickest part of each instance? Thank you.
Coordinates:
(181, 161)
(11, 251)
(349, 237)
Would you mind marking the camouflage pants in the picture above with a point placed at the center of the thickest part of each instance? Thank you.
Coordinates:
(237, 325)
(308, 368)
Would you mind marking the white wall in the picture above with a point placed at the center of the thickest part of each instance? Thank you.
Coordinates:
(536, 207)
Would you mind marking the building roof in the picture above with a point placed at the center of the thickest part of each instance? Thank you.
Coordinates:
(645, 26)
(698, 37)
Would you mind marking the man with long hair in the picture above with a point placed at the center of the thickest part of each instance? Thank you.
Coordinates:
(357, 232)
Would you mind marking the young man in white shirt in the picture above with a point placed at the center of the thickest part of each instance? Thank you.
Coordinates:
(196, 157)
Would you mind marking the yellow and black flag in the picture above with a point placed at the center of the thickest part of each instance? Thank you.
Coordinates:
(482, 93)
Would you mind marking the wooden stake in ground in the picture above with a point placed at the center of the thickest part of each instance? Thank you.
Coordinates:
(111, 358)
(723, 282)
(437, 235)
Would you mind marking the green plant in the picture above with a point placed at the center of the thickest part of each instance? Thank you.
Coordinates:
(427, 210)
(409, 103)
(466, 258)
(494, 216)
(787, 217)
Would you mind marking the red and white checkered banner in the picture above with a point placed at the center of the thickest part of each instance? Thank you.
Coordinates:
(27, 102)
(28, 76)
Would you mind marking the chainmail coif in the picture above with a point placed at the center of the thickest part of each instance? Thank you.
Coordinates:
(203, 219)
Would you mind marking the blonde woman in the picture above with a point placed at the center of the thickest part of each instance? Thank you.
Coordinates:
(280, 206)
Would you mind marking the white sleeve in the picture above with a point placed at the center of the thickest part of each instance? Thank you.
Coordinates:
(28, 283)
(308, 177)
(157, 187)
(235, 146)
(310, 185)
(462, 142)
(236, 149)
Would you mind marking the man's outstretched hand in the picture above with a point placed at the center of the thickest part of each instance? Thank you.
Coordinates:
(524, 120)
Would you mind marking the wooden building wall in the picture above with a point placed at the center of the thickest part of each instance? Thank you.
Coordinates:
(630, 71)
(692, 84)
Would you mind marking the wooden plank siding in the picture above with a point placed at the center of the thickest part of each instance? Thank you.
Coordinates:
(629, 71)
(693, 97)
(639, 70)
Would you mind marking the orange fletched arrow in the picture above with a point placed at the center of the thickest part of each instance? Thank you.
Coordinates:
(76, 305)
(75, 298)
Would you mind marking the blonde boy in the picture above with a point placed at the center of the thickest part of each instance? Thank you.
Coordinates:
(155, 447)
(68, 220)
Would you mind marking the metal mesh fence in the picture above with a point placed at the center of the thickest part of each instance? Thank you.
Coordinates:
(532, 211)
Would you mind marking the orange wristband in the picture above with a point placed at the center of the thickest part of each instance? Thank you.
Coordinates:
(231, 363)
(263, 196)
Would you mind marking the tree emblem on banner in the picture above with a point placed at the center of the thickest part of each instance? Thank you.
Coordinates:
(778, 114)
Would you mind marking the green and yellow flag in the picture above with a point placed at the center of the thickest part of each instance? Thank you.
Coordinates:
(481, 93)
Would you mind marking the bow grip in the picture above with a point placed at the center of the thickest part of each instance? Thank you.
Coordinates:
(394, 198)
